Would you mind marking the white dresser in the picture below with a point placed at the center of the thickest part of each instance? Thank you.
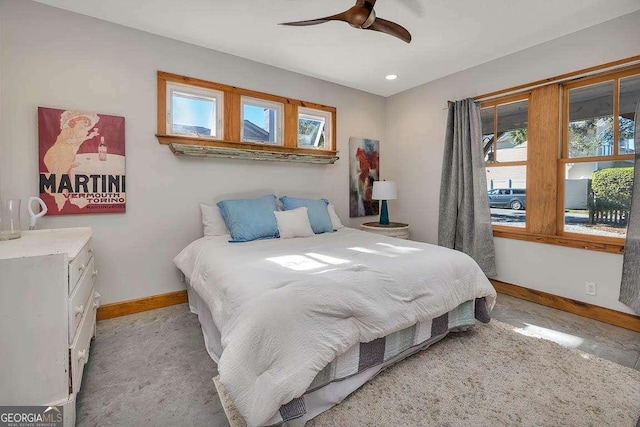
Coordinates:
(48, 308)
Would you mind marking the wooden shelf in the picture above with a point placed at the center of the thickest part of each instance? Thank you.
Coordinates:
(324, 158)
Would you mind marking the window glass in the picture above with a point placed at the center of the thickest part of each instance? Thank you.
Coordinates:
(313, 128)
(261, 121)
(590, 130)
(507, 195)
(629, 97)
(194, 111)
(512, 132)
(597, 197)
(486, 117)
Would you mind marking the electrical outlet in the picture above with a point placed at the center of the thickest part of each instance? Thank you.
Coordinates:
(590, 288)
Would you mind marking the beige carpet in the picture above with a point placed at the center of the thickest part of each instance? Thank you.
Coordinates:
(489, 376)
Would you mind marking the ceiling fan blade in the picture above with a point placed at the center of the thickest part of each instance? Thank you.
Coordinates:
(338, 17)
(391, 28)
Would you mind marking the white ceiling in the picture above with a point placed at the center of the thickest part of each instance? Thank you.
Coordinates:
(448, 35)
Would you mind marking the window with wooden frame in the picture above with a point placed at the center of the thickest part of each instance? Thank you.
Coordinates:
(261, 121)
(202, 118)
(597, 160)
(314, 128)
(505, 126)
(578, 155)
(194, 111)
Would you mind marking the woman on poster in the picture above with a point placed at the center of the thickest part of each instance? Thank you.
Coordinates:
(60, 158)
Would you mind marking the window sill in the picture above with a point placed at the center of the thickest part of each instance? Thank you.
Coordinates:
(201, 147)
(605, 245)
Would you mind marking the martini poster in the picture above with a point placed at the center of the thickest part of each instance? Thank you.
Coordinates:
(81, 162)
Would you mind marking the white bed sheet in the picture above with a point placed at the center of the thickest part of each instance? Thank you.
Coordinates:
(242, 282)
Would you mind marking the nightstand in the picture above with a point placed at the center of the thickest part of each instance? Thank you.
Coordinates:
(393, 229)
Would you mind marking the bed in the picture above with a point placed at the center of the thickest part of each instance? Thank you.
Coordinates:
(295, 325)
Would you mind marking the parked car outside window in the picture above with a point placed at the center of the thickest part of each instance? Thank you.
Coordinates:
(514, 198)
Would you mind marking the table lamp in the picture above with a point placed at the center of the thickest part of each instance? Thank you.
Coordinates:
(384, 190)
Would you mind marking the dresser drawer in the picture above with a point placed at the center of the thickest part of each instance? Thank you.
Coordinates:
(79, 265)
(79, 351)
(82, 298)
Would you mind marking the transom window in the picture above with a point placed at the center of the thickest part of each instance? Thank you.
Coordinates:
(202, 118)
(194, 111)
(261, 121)
(314, 128)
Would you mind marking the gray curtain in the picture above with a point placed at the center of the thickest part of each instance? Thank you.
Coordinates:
(464, 219)
(630, 286)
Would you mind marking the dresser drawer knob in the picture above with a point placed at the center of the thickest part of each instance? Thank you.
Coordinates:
(95, 273)
(83, 355)
(90, 251)
(96, 300)
(81, 267)
(79, 309)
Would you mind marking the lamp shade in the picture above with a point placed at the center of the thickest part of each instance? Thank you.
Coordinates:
(384, 190)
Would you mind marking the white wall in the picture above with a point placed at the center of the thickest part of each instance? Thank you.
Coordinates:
(59, 59)
(416, 122)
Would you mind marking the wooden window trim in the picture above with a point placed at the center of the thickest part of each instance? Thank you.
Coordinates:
(232, 119)
(549, 228)
(593, 243)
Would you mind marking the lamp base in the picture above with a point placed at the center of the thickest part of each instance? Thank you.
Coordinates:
(384, 214)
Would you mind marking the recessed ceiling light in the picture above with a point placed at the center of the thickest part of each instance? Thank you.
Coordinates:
(391, 77)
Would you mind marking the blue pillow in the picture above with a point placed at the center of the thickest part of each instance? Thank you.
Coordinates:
(317, 210)
(250, 219)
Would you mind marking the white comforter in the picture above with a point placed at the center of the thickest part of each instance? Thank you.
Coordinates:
(286, 308)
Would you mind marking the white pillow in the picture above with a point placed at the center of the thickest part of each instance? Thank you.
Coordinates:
(335, 220)
(212, 221)
(294, 223)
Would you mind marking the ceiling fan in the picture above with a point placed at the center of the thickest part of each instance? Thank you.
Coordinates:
(364, 17)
